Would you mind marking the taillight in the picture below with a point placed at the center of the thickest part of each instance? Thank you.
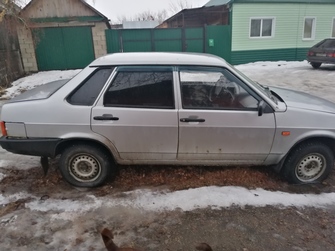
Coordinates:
(310, 53)
(331, 55)
(3, 128)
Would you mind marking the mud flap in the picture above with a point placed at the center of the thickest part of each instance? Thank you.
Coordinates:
(45, 164)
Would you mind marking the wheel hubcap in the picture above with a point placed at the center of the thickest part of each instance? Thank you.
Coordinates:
(85, 168)
(310, 167)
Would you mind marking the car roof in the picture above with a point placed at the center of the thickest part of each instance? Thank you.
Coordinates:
(159, 58)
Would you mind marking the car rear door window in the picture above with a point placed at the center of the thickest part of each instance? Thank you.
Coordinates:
(141, 87)
(89, 90)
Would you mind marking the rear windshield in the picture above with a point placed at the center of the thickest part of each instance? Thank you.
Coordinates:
(40, 92)
(329, 43)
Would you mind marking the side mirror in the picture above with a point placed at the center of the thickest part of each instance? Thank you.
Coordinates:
(264, 107)
(261, 107)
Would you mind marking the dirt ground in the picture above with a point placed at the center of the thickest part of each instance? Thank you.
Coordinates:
(233, 228)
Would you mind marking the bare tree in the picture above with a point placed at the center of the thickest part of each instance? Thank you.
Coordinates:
(180, 5)
(11, 8)
(148, 15)
(10, 66)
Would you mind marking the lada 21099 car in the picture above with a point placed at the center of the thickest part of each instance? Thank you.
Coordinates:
(169, 108)
(322, 53)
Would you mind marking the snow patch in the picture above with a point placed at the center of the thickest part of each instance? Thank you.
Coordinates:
(14, 197)
(35, 80)
(18, 162)
(185, 200)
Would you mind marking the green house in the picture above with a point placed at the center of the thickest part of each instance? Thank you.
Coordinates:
(271, 30)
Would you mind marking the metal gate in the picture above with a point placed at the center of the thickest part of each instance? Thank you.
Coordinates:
(62, 48)
(209, 39)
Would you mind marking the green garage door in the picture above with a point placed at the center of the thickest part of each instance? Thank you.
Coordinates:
(63, 48)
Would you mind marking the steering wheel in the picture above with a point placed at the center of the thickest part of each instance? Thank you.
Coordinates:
(218, 91)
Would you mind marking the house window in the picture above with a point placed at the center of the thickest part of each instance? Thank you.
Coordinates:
(309, 28)
(261, 27)
(333, 30)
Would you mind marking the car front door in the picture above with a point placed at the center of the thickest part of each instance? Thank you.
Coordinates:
(219, 119)
(137, 113)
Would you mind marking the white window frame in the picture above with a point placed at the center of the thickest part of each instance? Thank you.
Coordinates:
(332, 34)
(262, 18)
(313, 29)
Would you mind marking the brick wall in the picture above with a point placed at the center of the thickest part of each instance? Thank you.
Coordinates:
(99, 39)
(27, 49)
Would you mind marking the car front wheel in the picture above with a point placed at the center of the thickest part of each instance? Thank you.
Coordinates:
(309, 162)
(85, 165)
(316, 65)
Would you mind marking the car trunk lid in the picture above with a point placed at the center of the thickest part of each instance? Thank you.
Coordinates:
(40, 92)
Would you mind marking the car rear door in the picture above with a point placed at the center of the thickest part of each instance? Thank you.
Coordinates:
(137, 113)
(219, 119)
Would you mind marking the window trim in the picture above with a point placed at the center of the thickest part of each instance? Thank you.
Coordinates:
(332, 32)
(262, 18)
(313, 29)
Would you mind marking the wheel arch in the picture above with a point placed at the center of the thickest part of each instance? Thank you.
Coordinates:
(328, 141)
(64, 144)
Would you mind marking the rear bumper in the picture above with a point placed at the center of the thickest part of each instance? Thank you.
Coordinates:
(324, 60)
(36, 147)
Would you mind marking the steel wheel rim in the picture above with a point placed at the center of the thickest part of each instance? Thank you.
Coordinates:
(85, 168)
(311, 167)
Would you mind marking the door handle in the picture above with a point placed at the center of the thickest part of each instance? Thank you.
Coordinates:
(186, 120)
(106, 117)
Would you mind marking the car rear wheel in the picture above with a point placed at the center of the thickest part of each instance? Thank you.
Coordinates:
(309, 162)
(316, 65)
(85, 165)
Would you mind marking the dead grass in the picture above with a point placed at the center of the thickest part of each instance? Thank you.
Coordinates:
(13, 206)
(170, 177)
(179, 178)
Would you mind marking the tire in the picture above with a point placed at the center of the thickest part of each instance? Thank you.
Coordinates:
(85, 165)
(309, 162)
(315, 65)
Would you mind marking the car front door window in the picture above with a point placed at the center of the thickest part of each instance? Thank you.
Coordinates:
(214, 89)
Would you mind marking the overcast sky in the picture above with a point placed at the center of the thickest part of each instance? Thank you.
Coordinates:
(130, 8)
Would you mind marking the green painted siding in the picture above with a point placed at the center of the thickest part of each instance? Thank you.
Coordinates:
(288, 54)
(176, 39)
(289, 21)
(284, 1)
(222, 41)
(194, 40)
(221, 2)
